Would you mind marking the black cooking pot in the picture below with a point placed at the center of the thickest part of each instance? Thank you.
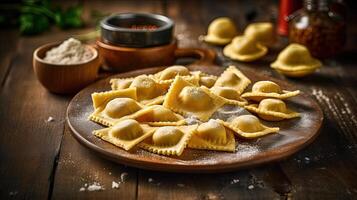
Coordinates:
(137, 30)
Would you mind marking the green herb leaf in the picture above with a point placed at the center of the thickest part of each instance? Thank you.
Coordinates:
(31, 24)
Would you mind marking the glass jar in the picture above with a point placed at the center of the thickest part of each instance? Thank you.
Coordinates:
(323, 32)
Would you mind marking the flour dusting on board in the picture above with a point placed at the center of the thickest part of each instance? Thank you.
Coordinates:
(344, 113)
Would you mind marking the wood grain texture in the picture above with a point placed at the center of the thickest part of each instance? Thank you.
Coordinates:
(79, 168)
(29, 147)
(28, 143)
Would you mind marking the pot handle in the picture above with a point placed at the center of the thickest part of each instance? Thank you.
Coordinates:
(206, 56)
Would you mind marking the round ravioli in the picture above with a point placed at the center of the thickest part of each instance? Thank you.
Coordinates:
(212, 131)
(272, 110)
(120, 107)
(263, 32)
(249, 126)
(167, 136)
(268, 89)
(244, 48)
(173, 71)
(221, 31)
(126, 130)
(194, 98)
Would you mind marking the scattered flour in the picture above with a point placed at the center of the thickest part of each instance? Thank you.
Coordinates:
(50, 119)
(115, 185)
(91, 187)
(123, 177)
(234, 181)
(345, 117)
(95, 187)
(70, 51)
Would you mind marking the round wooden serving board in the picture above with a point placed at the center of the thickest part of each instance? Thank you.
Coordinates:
(293, 135)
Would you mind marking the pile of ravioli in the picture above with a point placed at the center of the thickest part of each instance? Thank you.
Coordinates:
(172, 110)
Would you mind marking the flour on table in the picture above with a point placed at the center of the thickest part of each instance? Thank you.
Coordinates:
(92, 187)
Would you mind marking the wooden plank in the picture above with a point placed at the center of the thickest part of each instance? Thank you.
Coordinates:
(78, 167)
(7, 52)
(29, 144)
(235, 185)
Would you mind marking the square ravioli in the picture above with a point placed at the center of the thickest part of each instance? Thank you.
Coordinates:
(169, 140)
(110, 106)
(148, 90)
(125, 134)
(188, 99)
(213, 135)
(233, 78)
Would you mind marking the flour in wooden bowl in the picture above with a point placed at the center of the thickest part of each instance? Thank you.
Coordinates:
(71, 51)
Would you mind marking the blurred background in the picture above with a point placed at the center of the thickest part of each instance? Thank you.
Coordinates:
(34, 17)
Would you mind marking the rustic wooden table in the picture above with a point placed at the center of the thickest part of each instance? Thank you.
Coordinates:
(40, 159)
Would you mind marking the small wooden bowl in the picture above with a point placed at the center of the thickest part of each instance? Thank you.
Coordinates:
(65, 78)
(121, 59)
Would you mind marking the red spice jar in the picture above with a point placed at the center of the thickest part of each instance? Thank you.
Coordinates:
(323, 32)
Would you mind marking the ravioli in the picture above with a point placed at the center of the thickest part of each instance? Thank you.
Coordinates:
(169, 140)
(245, 48)
(187, 99)
(263, 32)
(120, 83)
(148, 90)
(206, 80)
(296, 61)
(230, 94)
(109, 113)
(157, 115)
(220, 31)
(272, 110)
(249, 126)
(171, 72)
(112, 105)
(212, 135)
(99, 98)
(125, 134)
(233, 78)
(268, 89)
